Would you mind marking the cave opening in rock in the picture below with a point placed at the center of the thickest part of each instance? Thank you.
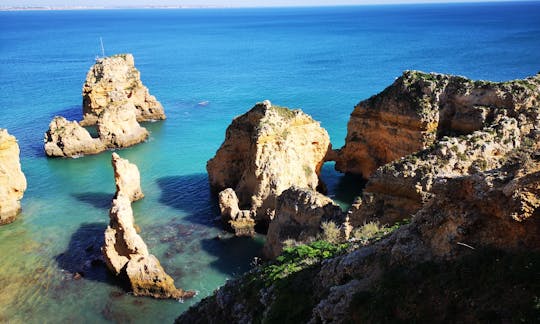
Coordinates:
(343, 188)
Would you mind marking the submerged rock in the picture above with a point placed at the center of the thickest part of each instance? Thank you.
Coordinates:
(267, 150)
(124, 251)
(114, 80)
(12, 179)
(299, 216)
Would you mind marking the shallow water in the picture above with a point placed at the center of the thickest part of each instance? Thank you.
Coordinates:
(205, 66)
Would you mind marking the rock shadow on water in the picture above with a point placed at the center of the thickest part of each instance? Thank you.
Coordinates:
(82, 258)
(190, 194)
(234, 255)
(100, 200)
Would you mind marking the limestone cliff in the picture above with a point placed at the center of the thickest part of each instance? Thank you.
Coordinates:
(124, 251)
(112, 80)
(419, 108)
(299, 216)
(460, 127)
(266, 151)
(117, 126)
(476, 243)
(12, 179)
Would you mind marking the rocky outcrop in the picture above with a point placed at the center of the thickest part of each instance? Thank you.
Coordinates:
(419, 108)
(124, 251)
(266, 151)
(299, 216)
(112, 80)
(12, 179)
(69, 139)
(117, 127)
(240, 221)
(476, 243)
(115, 100)
(460, 127)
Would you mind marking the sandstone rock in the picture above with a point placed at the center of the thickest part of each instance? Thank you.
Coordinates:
(127, 178)
(69, 139)
(118, 127)
(12, 179)
(265, 151)
(419, 108)
(124, 251)
(241, 221)
(423, 114)
(468, 217)
(299, 216)
(115, 79)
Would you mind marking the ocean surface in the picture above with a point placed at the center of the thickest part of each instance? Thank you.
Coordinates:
(206, 67)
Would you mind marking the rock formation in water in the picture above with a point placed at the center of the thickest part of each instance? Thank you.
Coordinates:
(114, 80)
(12, 179)
(266, 151)
(477, 243)
(115, 100)
(241, 221)
(117, 126)
(300, 214)
(124, 251)
(452, 126)
(461, 160)
(69, 139)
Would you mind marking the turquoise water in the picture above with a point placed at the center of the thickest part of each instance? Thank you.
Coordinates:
(323, 60)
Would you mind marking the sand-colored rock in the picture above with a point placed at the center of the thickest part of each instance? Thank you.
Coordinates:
(112, 80)
(419, 108)
(127, 178)
(124, 251)
(69, 139)
(267, 150)
(471, 220)
(117, 126)
(240, 221)
(299, 216)
(12, 179)
(491, 119)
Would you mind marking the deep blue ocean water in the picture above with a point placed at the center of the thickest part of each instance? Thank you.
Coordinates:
(322, 60)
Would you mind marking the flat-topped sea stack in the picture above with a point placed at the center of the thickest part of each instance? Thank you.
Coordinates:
(12, 179)
(124, 251)
(429, 126)
(115, 101)
(266, 151)
(115, 79)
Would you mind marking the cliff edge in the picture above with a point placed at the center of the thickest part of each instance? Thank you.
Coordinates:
(12, 179)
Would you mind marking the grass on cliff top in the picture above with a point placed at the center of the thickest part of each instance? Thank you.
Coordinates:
(285, 112)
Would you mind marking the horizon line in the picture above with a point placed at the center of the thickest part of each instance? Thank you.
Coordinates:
(134, 7)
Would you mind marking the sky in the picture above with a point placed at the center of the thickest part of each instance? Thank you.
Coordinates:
(219, 3)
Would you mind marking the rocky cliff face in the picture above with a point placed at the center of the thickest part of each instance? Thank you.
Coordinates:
(124, 251)
(419, 108)
(476, 243)
(300, 213)
(69, 139)
(12, 179)
(469, 126)
(266, 151)
(114, 80)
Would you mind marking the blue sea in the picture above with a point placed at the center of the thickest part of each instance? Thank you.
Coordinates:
(206, 66)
